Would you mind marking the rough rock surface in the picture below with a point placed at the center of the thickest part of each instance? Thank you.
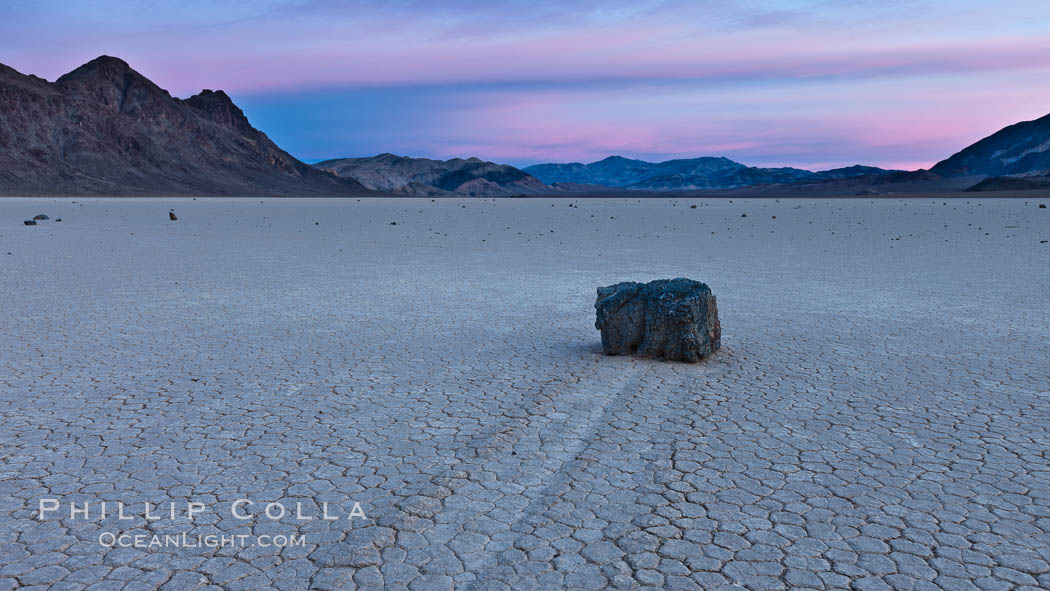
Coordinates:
(674, 319)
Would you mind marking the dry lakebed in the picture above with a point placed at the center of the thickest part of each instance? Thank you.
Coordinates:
(410, 394)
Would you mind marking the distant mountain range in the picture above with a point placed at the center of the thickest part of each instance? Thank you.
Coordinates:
(691, 173)
(402, 175)
(104, 129)
(422, 176)
(1014, 158)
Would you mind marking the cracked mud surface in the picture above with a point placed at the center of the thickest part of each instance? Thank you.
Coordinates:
(877, 418)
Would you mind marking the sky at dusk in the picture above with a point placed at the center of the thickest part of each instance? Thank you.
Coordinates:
(809, 83)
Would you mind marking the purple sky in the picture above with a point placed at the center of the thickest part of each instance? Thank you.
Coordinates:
(810, 83)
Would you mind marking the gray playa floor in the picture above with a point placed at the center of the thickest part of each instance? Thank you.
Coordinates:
(878, 418)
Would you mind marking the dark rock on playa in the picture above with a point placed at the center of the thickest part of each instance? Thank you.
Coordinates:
(41, 216)
(673, 319)
(30, 222)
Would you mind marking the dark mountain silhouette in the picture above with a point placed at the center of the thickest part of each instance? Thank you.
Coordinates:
(422, 176)
(1012, 183)
(1020, 149)
(690, 173)
(104, 129)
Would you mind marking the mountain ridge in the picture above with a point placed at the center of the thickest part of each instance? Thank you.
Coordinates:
(1022, 148)
(105, 129)
(405, 175)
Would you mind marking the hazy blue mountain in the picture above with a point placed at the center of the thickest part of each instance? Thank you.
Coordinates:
(617, 171)
(687, 173)
(1020, 149)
